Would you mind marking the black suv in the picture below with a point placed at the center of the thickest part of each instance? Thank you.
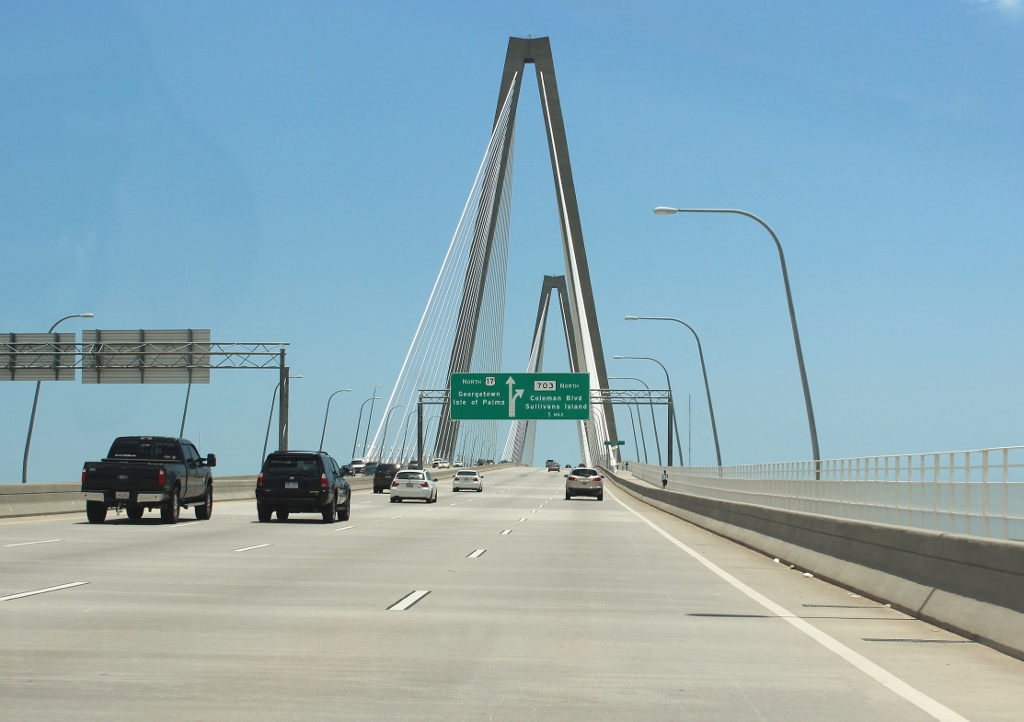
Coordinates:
(302, 481)
(383, 476)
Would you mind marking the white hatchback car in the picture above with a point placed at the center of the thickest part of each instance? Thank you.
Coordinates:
(413, 484)
(468, 479)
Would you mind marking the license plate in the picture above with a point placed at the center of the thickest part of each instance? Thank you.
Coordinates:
(409, 485)
(291, 485)
(123, 494)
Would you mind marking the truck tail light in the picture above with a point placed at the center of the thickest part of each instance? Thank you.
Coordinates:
(83, 474)
(259, 480)
(161, 477)
(324, 484)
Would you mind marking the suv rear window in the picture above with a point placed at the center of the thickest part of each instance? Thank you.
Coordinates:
(293, 464)
(584, 472)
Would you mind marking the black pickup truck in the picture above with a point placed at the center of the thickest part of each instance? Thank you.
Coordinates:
(149, 472)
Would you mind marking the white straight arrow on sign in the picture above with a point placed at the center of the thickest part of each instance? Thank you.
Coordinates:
(512, 396)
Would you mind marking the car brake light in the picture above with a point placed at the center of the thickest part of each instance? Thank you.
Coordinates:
(572, 478)
(323, 481)
(394, 483)
(259, 479)
(161, 477)
(425, 485)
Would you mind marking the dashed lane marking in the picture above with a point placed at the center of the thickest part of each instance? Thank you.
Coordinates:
(477, 554)
(247, 549)
(69, 585)
(27, 544)
(408, 600)
(506, 532)
(398, 517)
(350, 526)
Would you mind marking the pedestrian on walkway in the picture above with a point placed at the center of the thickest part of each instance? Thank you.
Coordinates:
(664, 479)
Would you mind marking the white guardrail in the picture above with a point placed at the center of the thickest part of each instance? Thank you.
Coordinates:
(978, 493)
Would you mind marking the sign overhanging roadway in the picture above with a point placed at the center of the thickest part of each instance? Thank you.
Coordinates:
(535, 397)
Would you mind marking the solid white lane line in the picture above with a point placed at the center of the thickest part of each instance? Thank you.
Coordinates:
(11, 597)
(350, 526)
(477, 554)
(925, 703)
(408, 600)
(246, 549)
(506, 532)
(27, 544)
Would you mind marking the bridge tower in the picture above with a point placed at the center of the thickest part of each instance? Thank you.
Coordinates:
(586, 353)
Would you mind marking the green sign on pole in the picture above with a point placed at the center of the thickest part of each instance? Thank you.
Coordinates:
(615, 443)
(537, 397)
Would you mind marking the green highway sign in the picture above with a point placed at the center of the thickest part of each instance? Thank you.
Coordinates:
(538, 397)
(615, 443)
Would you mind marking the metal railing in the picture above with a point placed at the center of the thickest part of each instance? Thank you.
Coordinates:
(979, 493)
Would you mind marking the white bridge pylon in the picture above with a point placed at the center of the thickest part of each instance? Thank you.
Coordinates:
(462, 327)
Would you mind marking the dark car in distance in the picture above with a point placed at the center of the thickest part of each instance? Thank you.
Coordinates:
(302, 481)
(370, 469)
(383, 476)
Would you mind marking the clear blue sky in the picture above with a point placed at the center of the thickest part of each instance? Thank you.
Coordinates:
(294, 172)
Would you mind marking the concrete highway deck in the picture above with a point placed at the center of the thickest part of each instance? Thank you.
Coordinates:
(536, 608)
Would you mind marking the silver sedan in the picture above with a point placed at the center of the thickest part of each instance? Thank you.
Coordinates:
(468, 479)
(413, 484)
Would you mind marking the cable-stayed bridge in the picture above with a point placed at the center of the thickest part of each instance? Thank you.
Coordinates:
(462, 326)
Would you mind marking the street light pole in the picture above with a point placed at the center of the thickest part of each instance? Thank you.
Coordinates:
(384, 436)
(654, 423)
(273, 401)
(704, 370)
(665, 210)
(359, 424)
(369, 419)
(35, 401)
(405, 434)
(671, 402)
(326, 413)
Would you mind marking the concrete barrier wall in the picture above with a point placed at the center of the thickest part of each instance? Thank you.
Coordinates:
(66, 498)
(969, 585)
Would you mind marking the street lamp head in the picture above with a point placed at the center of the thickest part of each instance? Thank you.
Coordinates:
(665, 211)
(296, 377)
(632, 318)
(619, 357)
(85, 315)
